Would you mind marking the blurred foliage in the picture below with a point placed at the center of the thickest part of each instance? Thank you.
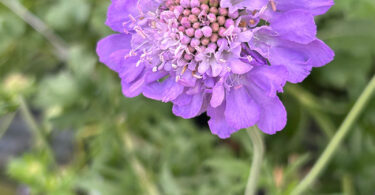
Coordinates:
(136, 146)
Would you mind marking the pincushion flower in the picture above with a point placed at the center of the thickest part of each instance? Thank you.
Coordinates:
(228, 58)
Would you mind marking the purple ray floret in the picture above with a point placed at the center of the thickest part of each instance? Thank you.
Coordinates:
(228, 58)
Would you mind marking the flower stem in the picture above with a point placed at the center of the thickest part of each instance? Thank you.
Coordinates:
(6, 123)
(337, 139)
(32, 124)
(258, 152)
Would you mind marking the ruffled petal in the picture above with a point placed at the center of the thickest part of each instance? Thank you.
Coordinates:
(134, 88)
(187, 79)
(118, 14)
(241, 111)
(316, 7)
(240, 4)
(295, 25)
(119, 11)
(218, 95)
(319, 53)
(293, 59)
(165, 91)
(271, 79)
(191, 109)
(297, 58)
(217, 123)
(111, 44)
(273, 116)
(239, 67)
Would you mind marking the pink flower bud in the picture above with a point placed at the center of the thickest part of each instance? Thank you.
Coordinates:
(198, 34)
(185, 40)
(186, 12)
(221, 20)
(234, 15)
(211, 17)
(193, 18)
(185, 3)
(214, 38)
(222, 31)
(195, 3)
(196, 11)
(196, 25)
(214, 10)
(195, 42)
(205, 7)
(205, 41)
(185, 22)
(190, 32)
(228, 23)
(207, 31)
(223, 11)
(215, 27)
(212, 46)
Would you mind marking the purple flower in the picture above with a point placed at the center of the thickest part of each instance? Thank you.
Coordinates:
(228, 58)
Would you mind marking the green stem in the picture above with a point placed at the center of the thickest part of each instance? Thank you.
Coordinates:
(258, 152)
(337, 139)
(32, 124)
(6, 123)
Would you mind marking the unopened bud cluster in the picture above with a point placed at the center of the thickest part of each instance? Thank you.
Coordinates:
(202, 23)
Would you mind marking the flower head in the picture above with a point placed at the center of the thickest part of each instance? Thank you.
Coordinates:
(228, 58)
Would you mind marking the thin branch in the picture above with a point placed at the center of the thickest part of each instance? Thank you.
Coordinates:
(336, 141)
(40, 26)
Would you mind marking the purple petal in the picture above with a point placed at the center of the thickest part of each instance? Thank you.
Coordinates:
(293, 59)
(187, 79)
(272, 117)
(295, 25)
(239, 4)
(217, 122)
(239, 67)
(241, 111)
(119, 11)
(191, 109)
(320, 54)
(134, 88)
(118, 14)
(316, 7)
(218, 95)
(111, 44)
(271, 79)
(297, 58)
(164, 91)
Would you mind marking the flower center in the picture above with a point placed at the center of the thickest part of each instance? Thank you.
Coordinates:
(201, 23)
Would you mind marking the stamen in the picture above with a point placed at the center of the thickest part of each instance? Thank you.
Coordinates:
(195, 75)
(184, 70)
(140, 32)
(132, 18)
(273, 5)
(249, 58)
(238, 87)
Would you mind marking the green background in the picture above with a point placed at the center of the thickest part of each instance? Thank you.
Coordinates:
(89, 139)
